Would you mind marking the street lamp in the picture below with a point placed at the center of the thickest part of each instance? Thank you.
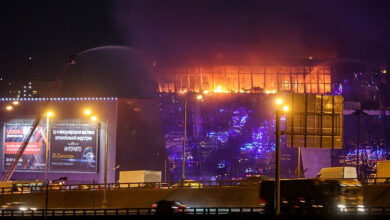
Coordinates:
(87, 111)
(9, 108)
(278, 112)
(94, 118)
(48, 115)
(199, 97)
(183, 158)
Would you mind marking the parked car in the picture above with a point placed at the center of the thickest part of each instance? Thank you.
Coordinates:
(88, 187)
(166, 207)
(189, 184)
(253, 180)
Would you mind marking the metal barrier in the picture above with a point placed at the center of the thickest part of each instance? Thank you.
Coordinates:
(184, 211)
(131, 211)
(116, 186)
(149, 185)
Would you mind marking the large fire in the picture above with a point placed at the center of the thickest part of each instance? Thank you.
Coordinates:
(247, 79)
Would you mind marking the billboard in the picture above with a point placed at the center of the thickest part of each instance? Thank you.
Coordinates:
(73, 148)
(34, 157)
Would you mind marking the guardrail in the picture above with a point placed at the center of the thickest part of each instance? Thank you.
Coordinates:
(152, 185)
(132, 211)
(379, 180)
(110, 186)
(184, 211)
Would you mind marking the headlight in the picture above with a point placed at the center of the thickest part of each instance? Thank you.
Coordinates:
(360, 208)
(342, 207)
(23, 209)
(34, 209)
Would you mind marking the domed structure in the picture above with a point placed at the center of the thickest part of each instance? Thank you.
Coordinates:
(109, 71)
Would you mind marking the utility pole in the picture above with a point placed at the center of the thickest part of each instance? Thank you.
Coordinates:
(299, 163)
(358, 112)
(278, 112)
(105, 164)
(184, 142)
(277, 165)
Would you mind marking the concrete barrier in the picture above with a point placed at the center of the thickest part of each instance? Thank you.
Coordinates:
(141, 198)
(376, 195)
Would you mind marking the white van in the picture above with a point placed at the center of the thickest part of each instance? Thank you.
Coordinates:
(338, 173)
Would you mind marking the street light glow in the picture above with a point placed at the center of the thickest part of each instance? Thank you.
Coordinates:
(87, 111)
(285, 108)
(93, 118)
(49, 114)
(9, 108)
(279, 101)
(15, 103)
(199, 97)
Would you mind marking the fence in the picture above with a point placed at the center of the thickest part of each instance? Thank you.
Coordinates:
(150, 185)
(131, 211)
(187, 211)
(110, 186)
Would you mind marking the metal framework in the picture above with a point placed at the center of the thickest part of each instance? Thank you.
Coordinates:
(313, 79)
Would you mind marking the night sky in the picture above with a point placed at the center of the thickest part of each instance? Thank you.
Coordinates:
(191, 31)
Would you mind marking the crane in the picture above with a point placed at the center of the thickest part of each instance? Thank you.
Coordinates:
(11, 169)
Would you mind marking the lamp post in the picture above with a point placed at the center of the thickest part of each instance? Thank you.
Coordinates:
(9, 108)
(278, 113)
(94, 118)
(184, 143)
(48, 115)
(199, 97)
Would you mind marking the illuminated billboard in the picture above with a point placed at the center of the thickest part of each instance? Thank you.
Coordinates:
(34, 156)
(73, 148)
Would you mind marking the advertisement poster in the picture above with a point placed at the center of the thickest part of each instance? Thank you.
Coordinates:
(34, 155)
(73, 148)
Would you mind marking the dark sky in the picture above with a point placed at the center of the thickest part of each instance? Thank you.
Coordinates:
(193, 31)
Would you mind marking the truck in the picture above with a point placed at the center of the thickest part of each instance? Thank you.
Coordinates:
(383, 171)
(338, 173)
(138, 178)
(316, 195)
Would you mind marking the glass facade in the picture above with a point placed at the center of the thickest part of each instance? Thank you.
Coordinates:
(313, 79)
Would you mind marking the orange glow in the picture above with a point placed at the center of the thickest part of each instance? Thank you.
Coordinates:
(9, 108)
(49, 114)
(218, 89)
(87, 111)
(270, 91)
(285, 108)
(279, 101)
(269, 79)
(94, 118)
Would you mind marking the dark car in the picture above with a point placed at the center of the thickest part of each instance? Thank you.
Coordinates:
(253, 180)
(166, 207)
